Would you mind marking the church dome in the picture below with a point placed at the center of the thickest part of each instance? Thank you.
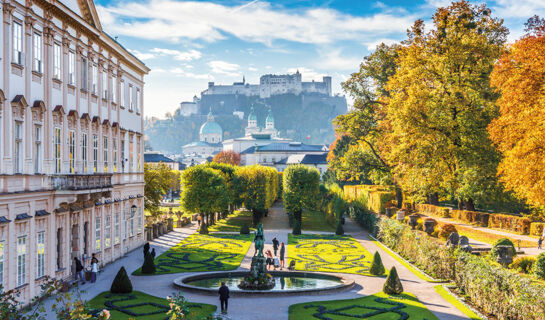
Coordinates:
(252, 116)
(270, 117)
(211, 127)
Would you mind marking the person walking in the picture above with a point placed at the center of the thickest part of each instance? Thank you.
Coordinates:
(79, 270)
(153, 253)
(282, 253)
(539, 242)
(275, 245)
(94, 268)
(224, 297)
(269, 260)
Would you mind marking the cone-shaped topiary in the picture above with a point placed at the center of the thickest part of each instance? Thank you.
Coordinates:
(121, 283)
(393, 284)
(203, 229)
(149, 265)
(146, 249)
(297, 228)
(377, 268)
(245, 229)
(340, 229)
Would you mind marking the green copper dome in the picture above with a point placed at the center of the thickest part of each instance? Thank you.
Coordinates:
(252, 116)
(270, 117)
(211, 127)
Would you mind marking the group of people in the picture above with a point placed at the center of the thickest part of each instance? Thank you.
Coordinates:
(276, 261)
(80, 268)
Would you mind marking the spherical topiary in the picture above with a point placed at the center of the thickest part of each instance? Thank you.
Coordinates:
(377, 268)
(539, 266)
(149, 265)
(121, 283)
(340, 229)
(203, 229)
(245, 229)
(393, 284)
(445, 230)
(501, 242)
(297, 228)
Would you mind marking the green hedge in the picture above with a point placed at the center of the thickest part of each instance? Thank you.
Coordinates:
(493, 289)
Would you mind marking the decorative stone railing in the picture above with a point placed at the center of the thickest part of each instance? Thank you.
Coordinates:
(81, 181)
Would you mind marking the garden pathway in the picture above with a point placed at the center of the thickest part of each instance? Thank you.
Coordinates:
(527, 251)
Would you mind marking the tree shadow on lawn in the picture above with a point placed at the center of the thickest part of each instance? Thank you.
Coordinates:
(200, 253)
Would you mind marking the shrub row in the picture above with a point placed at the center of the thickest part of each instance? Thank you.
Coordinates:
(493, 289)
(375, 197)
(491, 220)
(536, 228)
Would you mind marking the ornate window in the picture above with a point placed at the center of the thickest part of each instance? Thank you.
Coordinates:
(18, 150)
(37, 50)
(57, 61)
(97, 231)
(58, 150)
(71, 68)
(72, 150)
(107, 230)
(18, 57)
(95, 152)
(37, 148)
(84, 78)
(105, 150)
(40, 272)
(21, 261)
(117, 229)
(84, 144)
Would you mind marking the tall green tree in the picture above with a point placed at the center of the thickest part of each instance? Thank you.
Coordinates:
(158, 179)
(441, 103)
(301, 189)
(204, 191)
(258, 188)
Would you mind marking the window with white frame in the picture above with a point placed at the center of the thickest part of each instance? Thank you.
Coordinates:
(139, 222)
(131, 98)
(122, 94)
(94, 88)
(58, 154)
(105, 150)
(123, 153)
(126, 224)
(113, 86)
(117, 227)
(40, 272)
(107, 230)
(104, 85)
(37, 148)
(95, 153)
(71, 68)
(97, 232)
(138, 158)
(84, 78)
(21, 261)
(131, 222)
(114, 146)
(72, 150)
(84, 151)
(18, 152)
(18, 43)
(2, 251)
(57, 58)
(137, 101)
(131, 153)
(37, 50)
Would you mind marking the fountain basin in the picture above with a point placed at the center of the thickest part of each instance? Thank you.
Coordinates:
(286, 283)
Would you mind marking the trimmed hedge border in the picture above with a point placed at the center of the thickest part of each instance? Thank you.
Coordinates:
(460, 304)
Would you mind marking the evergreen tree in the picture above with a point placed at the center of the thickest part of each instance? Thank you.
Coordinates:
(393, 284)
(149, 265)
(122, 283)
(377, 268)
(146, 249)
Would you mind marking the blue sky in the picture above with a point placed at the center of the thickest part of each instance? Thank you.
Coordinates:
(189, 43)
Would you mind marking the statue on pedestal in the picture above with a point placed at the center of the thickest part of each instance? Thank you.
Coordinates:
(258, 279)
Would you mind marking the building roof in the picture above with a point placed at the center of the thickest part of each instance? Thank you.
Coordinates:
(202, 144)
(252, 115)
(156, 157)
(313, 159)
(283, 147)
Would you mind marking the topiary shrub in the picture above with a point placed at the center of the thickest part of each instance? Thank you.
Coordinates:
(539, 266)
(245, 229)
(340, 229)
(146, 249)
(523, 264)
(121, 283)
(501, 242)
(149, 265)
(377, 268)
(393, 284)
(445, 230)
(297, 227)
(203, 229)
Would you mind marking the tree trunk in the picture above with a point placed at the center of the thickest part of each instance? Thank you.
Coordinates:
(297, 215)
(460, 205)
(434, 199)
(469, 205)
(399, 197)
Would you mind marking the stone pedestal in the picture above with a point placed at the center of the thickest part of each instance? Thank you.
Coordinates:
(179, 223)
(170, 224)
(155, 228)
(149, 233)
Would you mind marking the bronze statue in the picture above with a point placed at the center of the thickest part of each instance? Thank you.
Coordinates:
(259, 240)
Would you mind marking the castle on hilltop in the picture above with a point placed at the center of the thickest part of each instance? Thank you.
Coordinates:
(272, 84)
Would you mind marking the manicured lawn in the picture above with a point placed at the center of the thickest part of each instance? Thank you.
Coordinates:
(379, 306)
(315, 221)
(138, 305)
(197, 253)
(233, 222)
(455, 302)
(328, 253)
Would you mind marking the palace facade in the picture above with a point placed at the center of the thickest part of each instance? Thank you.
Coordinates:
(71, 144)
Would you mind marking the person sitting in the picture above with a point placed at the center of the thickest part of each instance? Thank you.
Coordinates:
(292, 265)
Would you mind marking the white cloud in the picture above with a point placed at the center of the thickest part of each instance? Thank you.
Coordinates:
(520, 8)
(332, 59)
(223, 67)
(253, 69)
(260, 22)
(179, 55)
(141, 55)
(372, 45)
(307, 74)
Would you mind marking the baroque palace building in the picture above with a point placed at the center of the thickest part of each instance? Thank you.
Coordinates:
(71, 145)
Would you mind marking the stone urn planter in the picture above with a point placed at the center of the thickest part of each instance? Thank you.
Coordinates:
(429, 226)
(390, 211)
(400, 215)
(170, 224)
(413, 220)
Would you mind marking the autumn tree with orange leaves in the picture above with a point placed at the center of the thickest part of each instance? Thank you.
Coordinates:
(519, 131)
(228, 157)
